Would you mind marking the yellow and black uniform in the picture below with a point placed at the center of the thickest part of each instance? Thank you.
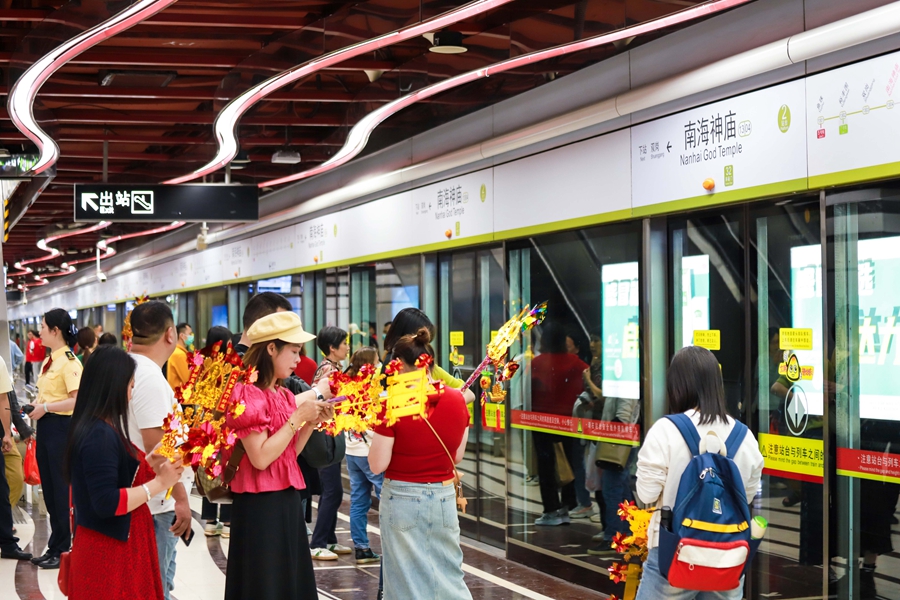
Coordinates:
(60, 376)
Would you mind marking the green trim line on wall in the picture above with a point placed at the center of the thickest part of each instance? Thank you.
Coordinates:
(884, 171)
(616, 215)
(756, 192)
(871, 476)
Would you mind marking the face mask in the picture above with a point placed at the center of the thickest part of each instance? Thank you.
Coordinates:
(189, 341)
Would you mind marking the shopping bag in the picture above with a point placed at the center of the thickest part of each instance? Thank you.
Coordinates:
(563, 468)
(32, 474)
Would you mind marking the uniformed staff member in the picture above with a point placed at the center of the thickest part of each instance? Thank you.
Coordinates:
(57, 388)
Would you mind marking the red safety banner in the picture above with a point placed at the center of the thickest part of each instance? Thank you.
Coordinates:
(586, 429)
(865, 464)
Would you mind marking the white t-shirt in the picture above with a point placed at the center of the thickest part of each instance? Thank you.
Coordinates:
(358, 445)
(151, 401)
(5, 380)
(664, 456)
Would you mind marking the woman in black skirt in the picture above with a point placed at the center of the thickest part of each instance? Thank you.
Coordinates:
(269, 556)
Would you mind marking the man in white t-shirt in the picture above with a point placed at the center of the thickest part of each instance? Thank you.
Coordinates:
(8, 546)
(153, 341)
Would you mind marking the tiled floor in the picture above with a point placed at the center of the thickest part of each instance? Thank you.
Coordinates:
(201, 569)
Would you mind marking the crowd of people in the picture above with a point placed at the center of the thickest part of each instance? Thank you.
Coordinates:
(99, 414)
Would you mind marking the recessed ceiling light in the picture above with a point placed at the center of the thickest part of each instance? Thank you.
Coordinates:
(448, 42)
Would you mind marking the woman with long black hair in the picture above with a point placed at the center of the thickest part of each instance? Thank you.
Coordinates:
(58, 386)
(114, 553)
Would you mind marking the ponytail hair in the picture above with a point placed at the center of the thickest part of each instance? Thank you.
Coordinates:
(86, 340)
(59, 318)
(410, 347)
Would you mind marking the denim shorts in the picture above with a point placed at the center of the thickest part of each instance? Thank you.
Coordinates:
(421, 558)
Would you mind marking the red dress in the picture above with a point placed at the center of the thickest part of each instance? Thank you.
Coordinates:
(104, 567)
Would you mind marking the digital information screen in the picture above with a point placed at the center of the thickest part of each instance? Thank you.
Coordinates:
(280, 285)
(620, 323)
(694, 296)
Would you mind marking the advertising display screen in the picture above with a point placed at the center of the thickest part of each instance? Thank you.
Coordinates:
(879, 328)
(620, 322)
(694, 296)
(806, 313)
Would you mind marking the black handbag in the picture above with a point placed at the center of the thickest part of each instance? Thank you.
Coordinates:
(215, 489)
(323, 450)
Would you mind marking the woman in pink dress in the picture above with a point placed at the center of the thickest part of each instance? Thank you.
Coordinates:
(269, 552)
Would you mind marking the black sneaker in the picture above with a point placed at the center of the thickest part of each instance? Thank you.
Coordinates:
(365, 555)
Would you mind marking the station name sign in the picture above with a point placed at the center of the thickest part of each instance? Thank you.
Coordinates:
(214, 203)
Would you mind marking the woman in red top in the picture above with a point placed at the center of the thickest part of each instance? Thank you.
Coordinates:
(306, 368)
(419, 524)
(269, 553)
(114, 550)
(556, 382)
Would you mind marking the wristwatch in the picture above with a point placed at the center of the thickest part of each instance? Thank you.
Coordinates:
(319, 395)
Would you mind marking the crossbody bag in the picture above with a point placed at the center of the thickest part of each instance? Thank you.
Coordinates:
(461, 501)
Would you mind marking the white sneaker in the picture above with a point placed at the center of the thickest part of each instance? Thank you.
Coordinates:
(308, 531)
(339, 549)
(211, 529)
(582, 512)
(322, 554)
(226, 531)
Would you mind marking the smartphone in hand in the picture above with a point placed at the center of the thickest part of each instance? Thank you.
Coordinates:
(188, 536)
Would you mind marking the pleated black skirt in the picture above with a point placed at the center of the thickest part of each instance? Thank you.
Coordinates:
(268, 555)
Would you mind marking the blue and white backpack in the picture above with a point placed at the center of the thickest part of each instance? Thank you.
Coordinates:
(709, 545)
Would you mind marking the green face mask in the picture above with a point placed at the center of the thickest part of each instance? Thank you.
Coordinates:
(189, 341)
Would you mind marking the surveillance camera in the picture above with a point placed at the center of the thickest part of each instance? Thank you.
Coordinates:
(101, 276)
(201, 243)
(24, 300)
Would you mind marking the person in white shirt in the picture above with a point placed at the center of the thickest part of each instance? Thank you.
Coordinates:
(154, 339)
(693, 387)
(8, 546)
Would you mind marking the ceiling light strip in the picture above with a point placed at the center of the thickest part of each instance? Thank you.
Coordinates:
(21, 99)
(228, 118)
(53, 252)
(104, 244)
(359, 134)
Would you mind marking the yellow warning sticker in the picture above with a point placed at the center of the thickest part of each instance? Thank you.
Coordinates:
(792, 457)
(795, 339)
(471, 407)
(708, 338)
(457, 338)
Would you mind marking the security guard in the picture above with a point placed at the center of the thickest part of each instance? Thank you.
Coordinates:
(57, 388)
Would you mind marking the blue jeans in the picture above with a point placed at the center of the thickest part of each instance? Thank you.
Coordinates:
(421, 558)
(656, 587)
(616, 487)
(165, 548)
(329, 503)
(362, 480)
(576, 461)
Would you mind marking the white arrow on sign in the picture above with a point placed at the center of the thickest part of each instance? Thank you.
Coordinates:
(88, 198)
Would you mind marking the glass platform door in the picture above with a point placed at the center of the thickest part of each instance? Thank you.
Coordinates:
(863, 391)
(472, 285)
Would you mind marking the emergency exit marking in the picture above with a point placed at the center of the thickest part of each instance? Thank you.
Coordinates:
(457, 338)
(710, 339)
(795, 339)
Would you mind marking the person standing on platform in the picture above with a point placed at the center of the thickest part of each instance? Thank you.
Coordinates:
(178, 371)
(332, 342)
(114, 550)
(15, 355)
(8, 546)
(556, 382)
(422, 557)
(362, 480)
(107, 339)
(57, 390)
(266, 526)
(693, 387)
(98, 331)
(34, 356)
(15, 473)
(407, 322)
(153, 342)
